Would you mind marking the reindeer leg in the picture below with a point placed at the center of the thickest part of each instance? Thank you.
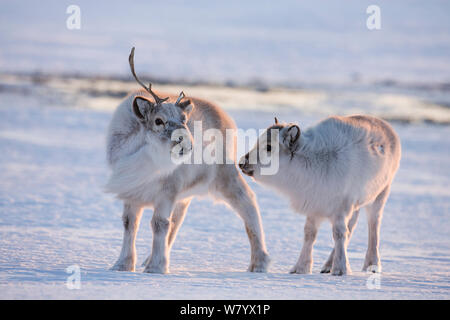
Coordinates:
(374, 216)
(305, 261)
(351, 227)
(176, 218)
(159, 259)
(235, 191)
(132, 214)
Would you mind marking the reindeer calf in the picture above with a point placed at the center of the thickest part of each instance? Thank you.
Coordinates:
(329, 172)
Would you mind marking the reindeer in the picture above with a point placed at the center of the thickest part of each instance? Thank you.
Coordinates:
(331, 171)
(146, 135)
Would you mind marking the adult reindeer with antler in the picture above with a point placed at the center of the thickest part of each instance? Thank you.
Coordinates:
(145, 135)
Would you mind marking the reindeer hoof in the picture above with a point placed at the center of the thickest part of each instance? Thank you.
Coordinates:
(340, 272)
(121, 266)
(301, 270)
(326, 269)
(261, 265)
(156, 269)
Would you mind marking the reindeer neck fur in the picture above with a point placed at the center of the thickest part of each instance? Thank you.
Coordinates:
(135, 172)
(141, 171)
(135, 159)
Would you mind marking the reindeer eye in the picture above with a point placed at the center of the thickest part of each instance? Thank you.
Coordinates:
(269, 148)
(159, 122)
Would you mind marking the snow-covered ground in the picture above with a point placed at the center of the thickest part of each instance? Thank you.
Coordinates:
(300, 61)
(53, 214)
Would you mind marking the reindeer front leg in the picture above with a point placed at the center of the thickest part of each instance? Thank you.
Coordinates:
(159, 259)
(305, 261)
(132, 214)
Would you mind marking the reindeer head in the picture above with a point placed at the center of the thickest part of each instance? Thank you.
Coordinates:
(273, 149)
(165, 122)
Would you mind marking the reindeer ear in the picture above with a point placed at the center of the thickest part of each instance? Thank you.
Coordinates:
(290, 136)
(140, 105)
(186, 105)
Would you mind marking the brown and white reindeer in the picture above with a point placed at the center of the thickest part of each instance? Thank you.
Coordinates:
(145, 137)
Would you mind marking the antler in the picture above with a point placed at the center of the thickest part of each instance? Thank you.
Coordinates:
(180, 97)
(158, 100)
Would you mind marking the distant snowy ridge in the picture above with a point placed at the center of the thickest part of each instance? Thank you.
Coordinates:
(413, 103)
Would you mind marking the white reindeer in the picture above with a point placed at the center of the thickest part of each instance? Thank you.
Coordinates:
(140, 149)
(329, 172)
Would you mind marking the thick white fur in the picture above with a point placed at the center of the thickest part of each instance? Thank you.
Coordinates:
(331, 171)
(143, 175)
